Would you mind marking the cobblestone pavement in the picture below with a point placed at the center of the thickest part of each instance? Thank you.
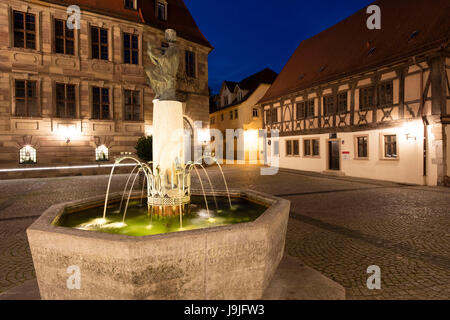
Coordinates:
(339, 226)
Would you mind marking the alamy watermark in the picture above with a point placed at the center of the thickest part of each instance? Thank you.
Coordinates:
(74, 280)
(374, 281)
(374, 20)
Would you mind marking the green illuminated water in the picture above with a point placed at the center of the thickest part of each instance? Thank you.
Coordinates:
(139, 222)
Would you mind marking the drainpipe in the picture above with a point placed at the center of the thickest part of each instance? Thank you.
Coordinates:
(424, 120)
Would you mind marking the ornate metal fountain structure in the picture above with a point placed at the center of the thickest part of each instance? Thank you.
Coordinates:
(167, 178)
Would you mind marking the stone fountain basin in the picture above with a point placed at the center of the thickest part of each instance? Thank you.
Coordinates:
(230, 262)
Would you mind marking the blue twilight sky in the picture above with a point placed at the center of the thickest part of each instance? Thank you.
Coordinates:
(250, 35)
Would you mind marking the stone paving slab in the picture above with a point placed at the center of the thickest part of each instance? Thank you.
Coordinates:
(292, 281)
(296, 281)
(339, 226)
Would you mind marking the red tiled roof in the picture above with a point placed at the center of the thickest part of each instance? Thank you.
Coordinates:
(344, 49)
(178, 15)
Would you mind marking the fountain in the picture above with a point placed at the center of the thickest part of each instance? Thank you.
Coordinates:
(166, 240)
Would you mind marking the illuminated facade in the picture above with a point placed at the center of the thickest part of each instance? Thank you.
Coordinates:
(77, 96)
(363, 103)
(235, 108)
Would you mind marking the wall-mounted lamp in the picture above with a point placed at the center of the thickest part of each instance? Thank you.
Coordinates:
(409, 136)
(67, 133)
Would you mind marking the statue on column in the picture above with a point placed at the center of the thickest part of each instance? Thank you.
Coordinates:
(163, 73)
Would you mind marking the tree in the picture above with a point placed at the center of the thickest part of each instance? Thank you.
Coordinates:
(144, 148)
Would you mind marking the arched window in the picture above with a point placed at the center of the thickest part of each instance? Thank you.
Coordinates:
(102, 153)
(27, 155)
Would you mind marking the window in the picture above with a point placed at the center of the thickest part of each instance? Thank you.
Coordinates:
(26, 98)
(161, 10)
(307, 148)
(274, 115)
(65, 101)
(342, 102)
(255, 113)
(99, 43)
(390, 147)
(222, 117)
(190, 64)
(132, 105)
(130, 48)
(301, 110)
(27, 155)
(231, 115)
(311, 147)
(289, 148)
(240, 95)
(328, 105)
(366, 98)
(267, 116)
(100, 103)
(24, 30)
(361, 144)
(129, 4)
(225, 100)
(305, 109)
(236, 113)
(315, 148)
(212, 120)
(310, 109)
(385, 94)
(101, 154)
(64, 38)
(292, 148)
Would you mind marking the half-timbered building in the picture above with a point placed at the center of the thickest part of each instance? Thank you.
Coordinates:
(368, 103)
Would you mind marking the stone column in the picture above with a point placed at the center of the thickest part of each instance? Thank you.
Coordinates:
(168, 137)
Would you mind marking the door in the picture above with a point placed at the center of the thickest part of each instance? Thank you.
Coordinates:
(333, 155)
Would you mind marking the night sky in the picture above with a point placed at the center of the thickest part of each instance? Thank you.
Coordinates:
(250, 35)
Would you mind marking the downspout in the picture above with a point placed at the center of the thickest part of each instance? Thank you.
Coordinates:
(424, 120)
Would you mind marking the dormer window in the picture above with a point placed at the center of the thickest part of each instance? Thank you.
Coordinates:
(130, 4)
(161, 10)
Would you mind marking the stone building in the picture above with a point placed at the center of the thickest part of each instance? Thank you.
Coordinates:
(235, 108)
(368, 103)
(77, 96)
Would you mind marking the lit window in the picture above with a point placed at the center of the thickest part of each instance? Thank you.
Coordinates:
(161, 10)
(27, 155)
(101, 154)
